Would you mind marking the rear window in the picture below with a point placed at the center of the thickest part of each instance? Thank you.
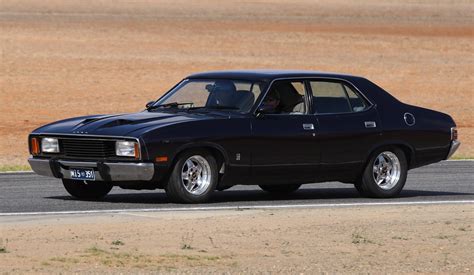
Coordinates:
(334, 97)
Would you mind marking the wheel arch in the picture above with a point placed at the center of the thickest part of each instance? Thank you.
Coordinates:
(217, 151)
(404, 146)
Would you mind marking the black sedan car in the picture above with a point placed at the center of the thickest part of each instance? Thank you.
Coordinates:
(275, 129)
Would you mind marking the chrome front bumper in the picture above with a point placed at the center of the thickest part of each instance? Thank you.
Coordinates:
(107, 171)
(454, 146)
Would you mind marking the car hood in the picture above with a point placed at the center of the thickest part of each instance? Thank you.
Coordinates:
(133, 124)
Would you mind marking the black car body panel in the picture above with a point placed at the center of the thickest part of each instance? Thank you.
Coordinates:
(270, 149)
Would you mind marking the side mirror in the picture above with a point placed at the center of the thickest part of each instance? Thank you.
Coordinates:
(149, 104)
(261, 111)
(210, 87)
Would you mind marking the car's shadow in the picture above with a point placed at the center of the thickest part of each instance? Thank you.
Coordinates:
(253, 196)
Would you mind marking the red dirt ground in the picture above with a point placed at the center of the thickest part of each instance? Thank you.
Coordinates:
(61, 59)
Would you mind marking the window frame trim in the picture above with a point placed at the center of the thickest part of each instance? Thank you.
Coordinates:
(169, 93)
(306, 79)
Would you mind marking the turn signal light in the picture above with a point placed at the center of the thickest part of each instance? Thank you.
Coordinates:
(35, 146)
(137, 151)
(161, 159)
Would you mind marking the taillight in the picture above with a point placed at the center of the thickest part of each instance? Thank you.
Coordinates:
(35, 146)
(454, 133)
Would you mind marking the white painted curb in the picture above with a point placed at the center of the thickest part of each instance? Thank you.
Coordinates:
(236, 208)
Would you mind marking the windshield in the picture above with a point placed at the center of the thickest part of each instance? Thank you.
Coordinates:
(224, 94)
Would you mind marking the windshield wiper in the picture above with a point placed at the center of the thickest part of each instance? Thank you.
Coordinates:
(215, 108)
(171, 104)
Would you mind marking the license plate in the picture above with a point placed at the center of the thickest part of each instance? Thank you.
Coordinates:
(82, 174)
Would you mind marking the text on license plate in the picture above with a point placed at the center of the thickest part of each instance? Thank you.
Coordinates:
(82, 174)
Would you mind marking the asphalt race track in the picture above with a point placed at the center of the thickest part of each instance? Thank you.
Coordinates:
(28, 193)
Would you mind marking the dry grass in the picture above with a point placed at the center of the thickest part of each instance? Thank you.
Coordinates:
(381, 240)
(68, 58)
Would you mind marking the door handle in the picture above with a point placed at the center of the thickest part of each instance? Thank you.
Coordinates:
(308, 126)
(370, 124)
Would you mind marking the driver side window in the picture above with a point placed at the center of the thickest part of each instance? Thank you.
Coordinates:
(285, 97)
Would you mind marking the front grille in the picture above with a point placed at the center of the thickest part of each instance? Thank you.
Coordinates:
(87, 148)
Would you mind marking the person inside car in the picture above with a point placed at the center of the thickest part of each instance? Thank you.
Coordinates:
(271, 103)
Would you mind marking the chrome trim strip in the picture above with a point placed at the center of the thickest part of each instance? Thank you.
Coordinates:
(282, 164)
(169, 93)
(454, 146)
(78, 163)
(99, 137)
(41, 167)
(131, 171)
(299, 164)
(255, 107)
(434, 148)
(120, 171)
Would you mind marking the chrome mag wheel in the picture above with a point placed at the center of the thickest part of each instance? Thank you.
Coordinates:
(196, 175)
(386, 170)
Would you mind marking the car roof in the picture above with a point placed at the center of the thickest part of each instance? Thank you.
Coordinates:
(266, 75)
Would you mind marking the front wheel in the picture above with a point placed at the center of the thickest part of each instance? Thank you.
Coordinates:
(88, 190)
(194, 177)
(280, 188)
(385, 174)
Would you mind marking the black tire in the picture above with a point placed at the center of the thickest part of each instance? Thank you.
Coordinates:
(90, 190)
(367, 185)
(176, 190)
(280, 188)
(358, 187)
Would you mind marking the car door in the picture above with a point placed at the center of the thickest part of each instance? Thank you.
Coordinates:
(283, 149)
(348, 127)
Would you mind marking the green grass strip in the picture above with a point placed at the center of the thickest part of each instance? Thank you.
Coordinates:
(13, 168)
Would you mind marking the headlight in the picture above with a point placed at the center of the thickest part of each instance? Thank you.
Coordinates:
(127, 149)
(49, 145)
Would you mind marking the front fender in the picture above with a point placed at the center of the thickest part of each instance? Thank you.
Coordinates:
(225, 138)
(204, 145)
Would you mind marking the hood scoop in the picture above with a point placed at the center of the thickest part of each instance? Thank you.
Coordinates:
(120, 122)
(89, 120)
(94, 119)
(117, 122)
(124, 124)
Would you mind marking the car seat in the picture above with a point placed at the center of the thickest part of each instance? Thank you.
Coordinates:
(221, 94)
(244, 100)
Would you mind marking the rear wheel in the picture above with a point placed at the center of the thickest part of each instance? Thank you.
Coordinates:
(194, 177)
(88, 190)
(280, 188)
(385, 174)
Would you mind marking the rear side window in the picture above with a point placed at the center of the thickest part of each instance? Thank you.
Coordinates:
(331, 97)
(358, 103)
